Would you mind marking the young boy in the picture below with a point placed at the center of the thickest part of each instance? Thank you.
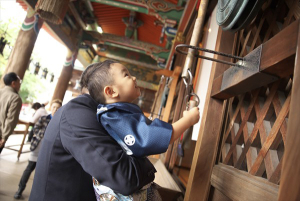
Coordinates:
(126, 123)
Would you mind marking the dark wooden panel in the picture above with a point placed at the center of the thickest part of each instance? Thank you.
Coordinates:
(277, 59)
(239, 185)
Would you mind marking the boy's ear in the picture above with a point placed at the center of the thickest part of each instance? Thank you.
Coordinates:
(110, 92)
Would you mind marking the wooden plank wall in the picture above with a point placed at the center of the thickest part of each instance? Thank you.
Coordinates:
(255, 128)
(208, 138)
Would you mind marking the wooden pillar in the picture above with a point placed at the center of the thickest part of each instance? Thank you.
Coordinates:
(20, 56)
(289, 188)
(65, 76)
(204, 158)
(171, 95)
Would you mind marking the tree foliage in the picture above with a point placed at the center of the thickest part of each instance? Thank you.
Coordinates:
(31, 85)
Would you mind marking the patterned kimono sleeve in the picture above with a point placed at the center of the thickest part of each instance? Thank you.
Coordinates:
(138, 135)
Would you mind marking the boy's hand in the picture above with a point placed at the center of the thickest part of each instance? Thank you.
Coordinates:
(193, 115)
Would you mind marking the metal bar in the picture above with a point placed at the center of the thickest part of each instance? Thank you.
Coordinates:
(198, 28)
(206, 50)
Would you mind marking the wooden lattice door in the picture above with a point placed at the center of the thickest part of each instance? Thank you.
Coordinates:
(250, 137)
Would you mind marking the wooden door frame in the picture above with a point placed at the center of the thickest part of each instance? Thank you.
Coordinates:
(207, 144)
(290, 175)
(278, 55)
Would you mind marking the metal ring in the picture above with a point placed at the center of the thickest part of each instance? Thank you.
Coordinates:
(190, 79)
(184, 81)
(190, 95)
(191, 76)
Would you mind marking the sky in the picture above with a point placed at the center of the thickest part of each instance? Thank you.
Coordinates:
(50, 52)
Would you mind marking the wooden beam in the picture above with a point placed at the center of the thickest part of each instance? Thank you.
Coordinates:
(218, 196)
(165, 72)
(278, 53)
(277, 60)
(69, 41)
(290, 175)
(240, 185)
(171, 95)
(171, 154)
(188, 12)
(206, 150)
(77, 16)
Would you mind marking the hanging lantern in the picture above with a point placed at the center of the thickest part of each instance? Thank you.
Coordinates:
(2, 45)
(44, 74)
(77, 85)
(52, 77)
(37, 68)
(52, 11)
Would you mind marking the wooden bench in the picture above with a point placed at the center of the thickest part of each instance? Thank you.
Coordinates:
(23, 132)
(169, 190)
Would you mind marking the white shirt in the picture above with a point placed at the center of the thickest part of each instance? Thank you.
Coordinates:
(38, 114)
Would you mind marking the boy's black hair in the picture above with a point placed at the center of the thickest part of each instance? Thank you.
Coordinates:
(95, 77)
(9, 78)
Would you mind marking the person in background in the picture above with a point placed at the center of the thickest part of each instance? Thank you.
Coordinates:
(39, 112)
(76, 146)
(39, 131)
(10, 106)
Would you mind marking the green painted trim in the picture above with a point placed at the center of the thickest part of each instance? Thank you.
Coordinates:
(141, 58)
(27, 27)
(174, 15)
(180, 2)
(147, 85)
(164, 55)
(122, 5)
(124, 47)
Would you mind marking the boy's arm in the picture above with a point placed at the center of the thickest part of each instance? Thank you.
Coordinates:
(189, 118)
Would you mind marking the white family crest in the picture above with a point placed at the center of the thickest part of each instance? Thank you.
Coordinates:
(129, 140)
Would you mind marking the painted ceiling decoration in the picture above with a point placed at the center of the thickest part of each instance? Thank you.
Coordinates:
(163, 10)
(157, 53)
(167, 14)
(131, 25)
(131, 57)
(137, 32)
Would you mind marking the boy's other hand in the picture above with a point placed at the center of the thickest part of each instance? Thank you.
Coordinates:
(193, 115)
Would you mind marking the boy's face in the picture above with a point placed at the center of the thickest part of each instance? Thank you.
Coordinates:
(124, 83)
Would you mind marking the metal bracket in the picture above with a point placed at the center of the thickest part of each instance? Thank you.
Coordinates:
(234, 76)
(245, 77)
(251, 62)
(240, 64)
